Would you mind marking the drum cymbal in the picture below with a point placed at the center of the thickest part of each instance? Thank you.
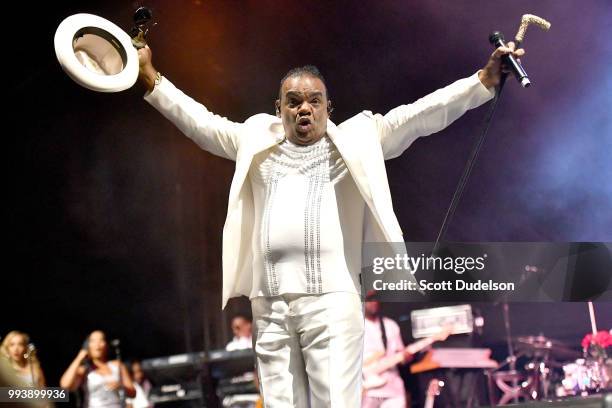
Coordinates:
(541, 345)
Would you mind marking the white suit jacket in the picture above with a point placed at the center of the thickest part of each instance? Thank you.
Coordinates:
(364, 141)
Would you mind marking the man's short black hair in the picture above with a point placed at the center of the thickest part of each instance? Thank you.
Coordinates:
(299, 71)
(242, 316)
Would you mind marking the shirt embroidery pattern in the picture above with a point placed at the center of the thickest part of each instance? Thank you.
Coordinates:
(322, 166)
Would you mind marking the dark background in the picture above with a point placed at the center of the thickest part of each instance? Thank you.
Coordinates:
(114, 218)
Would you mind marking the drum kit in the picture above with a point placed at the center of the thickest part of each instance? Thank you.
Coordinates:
(552, 370)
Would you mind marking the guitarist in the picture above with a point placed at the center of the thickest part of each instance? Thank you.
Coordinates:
(383, 338)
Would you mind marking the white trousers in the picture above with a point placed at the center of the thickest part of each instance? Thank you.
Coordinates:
(309, 349)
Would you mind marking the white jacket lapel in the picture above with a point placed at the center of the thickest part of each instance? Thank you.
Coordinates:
(350, 155)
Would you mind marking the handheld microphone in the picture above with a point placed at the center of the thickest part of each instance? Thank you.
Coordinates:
(497, 39)
(31, 349)
(116, 344)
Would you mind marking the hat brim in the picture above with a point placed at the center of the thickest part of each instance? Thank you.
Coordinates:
(78, 25)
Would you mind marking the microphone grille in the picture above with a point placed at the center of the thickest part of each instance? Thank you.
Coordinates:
(495, 36)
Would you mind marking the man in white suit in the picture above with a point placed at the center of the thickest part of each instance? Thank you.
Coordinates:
(304, 197)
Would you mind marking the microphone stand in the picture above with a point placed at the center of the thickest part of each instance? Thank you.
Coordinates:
(511, 356)
(115, 344)
(34, 380)
(32, 350)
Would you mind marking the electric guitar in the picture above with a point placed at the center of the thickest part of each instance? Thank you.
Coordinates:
(377, 363)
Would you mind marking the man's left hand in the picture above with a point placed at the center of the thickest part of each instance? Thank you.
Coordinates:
(490, 75)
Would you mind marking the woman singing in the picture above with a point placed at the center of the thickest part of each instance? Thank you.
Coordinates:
(23, 360)
(100, 378)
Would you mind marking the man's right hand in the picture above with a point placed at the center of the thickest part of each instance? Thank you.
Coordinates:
(146, 73)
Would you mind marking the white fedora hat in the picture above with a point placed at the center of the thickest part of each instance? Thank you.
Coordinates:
(96, 53)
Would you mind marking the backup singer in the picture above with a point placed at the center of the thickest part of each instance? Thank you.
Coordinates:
(25, 364)
(100, 377)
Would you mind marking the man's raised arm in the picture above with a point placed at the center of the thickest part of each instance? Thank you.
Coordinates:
(432, 113)
(211, 132)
